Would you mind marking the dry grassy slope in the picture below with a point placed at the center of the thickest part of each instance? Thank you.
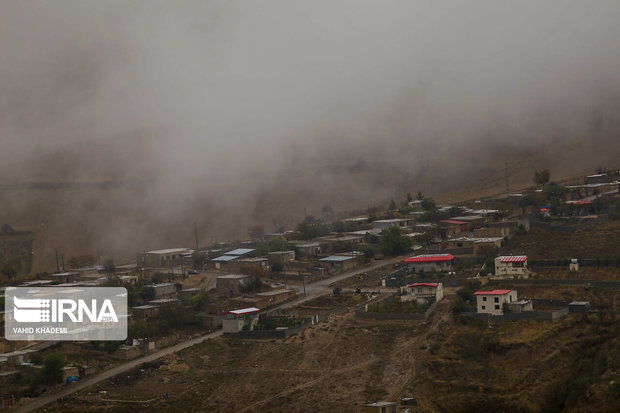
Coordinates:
(601, 241)
(338, 364)
(526, 367)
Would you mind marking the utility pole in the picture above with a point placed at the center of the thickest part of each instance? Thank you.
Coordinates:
(57, 266)
(196, 234)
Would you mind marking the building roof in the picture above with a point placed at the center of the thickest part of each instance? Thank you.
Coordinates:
(381, 404)
(430, 258)
(435, 285)
(232, 276)
(467, 218)
(243, 311)
(273, 292)
(240, 251)
(336, 258)
(225, 258)
(168, 251)
(452, 221)
(494, 292)
(513, 258)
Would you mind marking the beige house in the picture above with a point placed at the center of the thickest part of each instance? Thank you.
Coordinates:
(511, 265)
(231, 283)
(162, 258)
(423, 293)
(492, 302)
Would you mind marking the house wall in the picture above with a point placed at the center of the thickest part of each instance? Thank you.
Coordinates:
(232, 326)
(480, 245)
(487, 303)
(507, 268)
(429, 266)
(490, 232)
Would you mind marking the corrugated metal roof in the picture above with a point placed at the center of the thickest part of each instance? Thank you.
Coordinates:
(225, 258)
(336, 258)
(513, 258)
(244, 311)
(240, 251)
(423, 285)
(430, 258)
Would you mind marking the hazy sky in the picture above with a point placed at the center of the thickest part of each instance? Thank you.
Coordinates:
(197, 96)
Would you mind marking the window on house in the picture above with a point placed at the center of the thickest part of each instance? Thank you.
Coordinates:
(497, 306)
(420, 290)
(484, 298)
(497, 299)
(484, 307)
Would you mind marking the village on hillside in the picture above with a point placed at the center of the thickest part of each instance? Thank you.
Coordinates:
(515, 258)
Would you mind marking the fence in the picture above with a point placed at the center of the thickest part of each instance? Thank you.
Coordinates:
(609, 285)
(570, 224)
(283, 333)
(583, 262)
(526, 315)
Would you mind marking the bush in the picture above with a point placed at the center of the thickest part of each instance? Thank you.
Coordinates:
(52, 369)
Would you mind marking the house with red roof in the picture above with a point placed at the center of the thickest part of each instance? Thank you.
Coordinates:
(430, 263)
(236, 320)
(492, 302)
(511, 265)
(423, 293)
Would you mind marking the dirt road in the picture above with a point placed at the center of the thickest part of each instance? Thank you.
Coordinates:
(70, 389)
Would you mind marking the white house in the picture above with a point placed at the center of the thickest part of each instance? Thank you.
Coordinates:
(492, 302)
(423, 293)
(430, 262)
(235, 320)
(511, 265)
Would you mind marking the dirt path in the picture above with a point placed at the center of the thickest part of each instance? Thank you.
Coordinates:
(311, 383)
(411, 353)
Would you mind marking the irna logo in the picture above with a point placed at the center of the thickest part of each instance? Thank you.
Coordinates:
(35, 310)
(66, 313)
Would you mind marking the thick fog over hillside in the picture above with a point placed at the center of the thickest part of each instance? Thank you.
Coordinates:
(230, 114)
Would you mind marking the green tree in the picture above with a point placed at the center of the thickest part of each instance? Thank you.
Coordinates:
(409, 198)
(542, 177)
(393, 241)
(109, 267)
(52, 368)
(428, 204)
(392, 205)
(111, 346)
(9, 270)
(368, 251)
(420, 196)
(197, 301)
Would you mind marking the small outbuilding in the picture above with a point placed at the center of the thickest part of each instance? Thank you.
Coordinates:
(380, 407)
(237, 320)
